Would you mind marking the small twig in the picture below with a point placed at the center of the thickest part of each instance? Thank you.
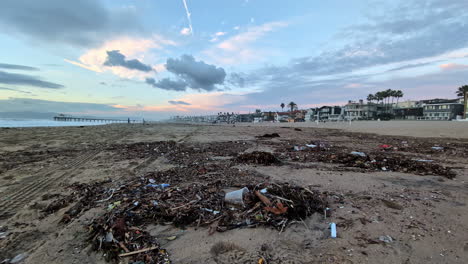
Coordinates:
(281, 198)
(305, 224)
(189, 203)
(138, 251)
(107, 199)
(122, 245)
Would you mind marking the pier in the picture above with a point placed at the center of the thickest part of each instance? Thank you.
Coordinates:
(92, 119)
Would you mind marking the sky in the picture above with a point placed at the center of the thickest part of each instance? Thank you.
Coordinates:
(160, 58)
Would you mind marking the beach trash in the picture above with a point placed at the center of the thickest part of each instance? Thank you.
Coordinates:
(357, 153)
(18, 258)
(386, 239)
(299, 148)
(311, 145)
(332, 230)
(161, 186)
(437, 148)
(236, 197)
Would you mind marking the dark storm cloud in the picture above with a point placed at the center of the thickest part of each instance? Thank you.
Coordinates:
(236, 79)
(190, 73)
(115, 58)
(197, 74)
(17, 67)
(168, 84)
(22, 79)
(36, 105)
(82, 23)
(178, 103)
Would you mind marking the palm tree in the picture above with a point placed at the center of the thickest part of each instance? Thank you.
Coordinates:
(282, 106)
(463, 92)
(292, 105)
(370, 98)
(398, 94)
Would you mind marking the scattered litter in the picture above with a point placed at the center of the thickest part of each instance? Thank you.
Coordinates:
(386, 147)
(264, 190)
(3, 235)
(160, 186)
(211, 211)
(424, 160)
(171, 238)
(332, 230)
(113, 205)
(437, 148)
(311, 145)
(386, 239)
(18, 258)
(391, 204)
(299, 148)
(357, 153)
(384, 168)
(152, 180)
(297, 129)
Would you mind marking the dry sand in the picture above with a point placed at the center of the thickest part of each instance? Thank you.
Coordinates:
(430, 129)
(431, 226)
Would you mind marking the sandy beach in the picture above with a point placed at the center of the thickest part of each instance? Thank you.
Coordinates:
(405, 202)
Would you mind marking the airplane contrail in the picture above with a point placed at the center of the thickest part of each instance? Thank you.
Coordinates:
(188, 16)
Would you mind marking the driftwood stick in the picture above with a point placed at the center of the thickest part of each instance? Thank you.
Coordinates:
(138, 251)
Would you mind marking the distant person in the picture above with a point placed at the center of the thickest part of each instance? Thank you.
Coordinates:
(129, 120)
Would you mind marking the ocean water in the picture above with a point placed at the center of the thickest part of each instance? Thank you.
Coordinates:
(43, 123)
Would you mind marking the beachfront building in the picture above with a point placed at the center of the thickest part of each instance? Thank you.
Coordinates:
(311, 114)
(408, 110)
(360, 111)
(330, 113)
(283, 117)
(268, 116)
(442, 109)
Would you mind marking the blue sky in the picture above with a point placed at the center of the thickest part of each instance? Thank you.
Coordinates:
(161, 58)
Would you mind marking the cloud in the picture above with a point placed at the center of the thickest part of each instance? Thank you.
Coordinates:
(14, 90)
(22, 79)
(365, 57)
(94, 59)
(197, 74)
(411, 66)
(178, 102)
(80, 23)
(453, 66)
(168, 84)
(410, 31)
(237, 49)
(185, 31)
(189, 16)
(190, 74)
(236, 79)
(36, 105)
(17, 67)
(115, 58)
(215, 36)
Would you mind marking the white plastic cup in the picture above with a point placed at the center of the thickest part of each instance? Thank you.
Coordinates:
(236, 197)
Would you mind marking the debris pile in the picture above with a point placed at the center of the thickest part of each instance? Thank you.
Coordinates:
(130, 207)
(272, 135)
(258, 157)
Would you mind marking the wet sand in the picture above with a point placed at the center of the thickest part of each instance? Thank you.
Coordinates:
(428, 225)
